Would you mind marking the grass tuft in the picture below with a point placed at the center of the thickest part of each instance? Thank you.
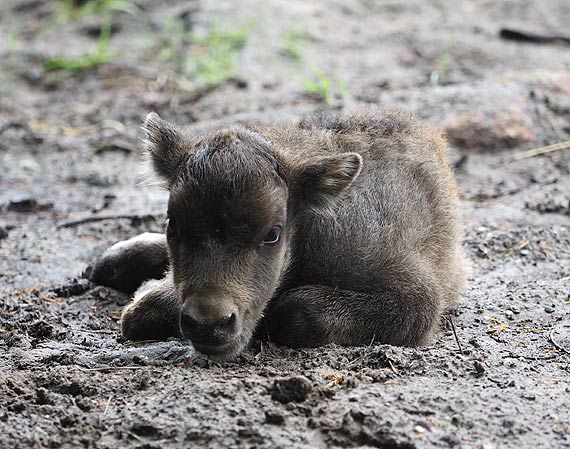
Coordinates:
(437, 77)
(328, 88)
(208, 60)
(70, 10)
(293, 45)
(101, 55)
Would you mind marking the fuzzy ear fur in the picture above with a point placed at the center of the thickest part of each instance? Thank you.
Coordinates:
(319, 182)
(164, 145)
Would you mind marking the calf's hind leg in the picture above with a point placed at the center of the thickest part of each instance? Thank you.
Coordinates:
(154, 312)
(315, 315)
(126, 265)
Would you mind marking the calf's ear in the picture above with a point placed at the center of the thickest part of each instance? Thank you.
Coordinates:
(319, 182)
(164, 144)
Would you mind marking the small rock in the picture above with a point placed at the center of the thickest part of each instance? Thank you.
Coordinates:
(40, 329)
(274, 417)
(240, 83)
(549, 309)
(529, 397)
(247, 433)
(3, 232)
(508, 126)
(145, 430)
(44, 397)
(451, 440)
(102, 293)
(26, 205)
(508, 423)
(489, 446)
(420, 430)
(479, 366)
(292, 389)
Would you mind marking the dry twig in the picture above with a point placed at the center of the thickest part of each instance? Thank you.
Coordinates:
(96, 218)
(110, 368)
(366, 354)
(107, 405)
(455, 335)
(540, 151)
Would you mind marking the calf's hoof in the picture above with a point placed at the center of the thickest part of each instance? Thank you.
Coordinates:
(126, 265)
(154, 314)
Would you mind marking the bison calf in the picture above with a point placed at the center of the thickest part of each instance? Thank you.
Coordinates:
(341, 230)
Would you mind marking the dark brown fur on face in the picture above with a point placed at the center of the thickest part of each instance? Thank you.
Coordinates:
(369, 247)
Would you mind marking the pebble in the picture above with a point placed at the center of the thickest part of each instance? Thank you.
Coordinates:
(291, 389)
(549, 309)
(273, 416)
(27, 204)
(479, 366)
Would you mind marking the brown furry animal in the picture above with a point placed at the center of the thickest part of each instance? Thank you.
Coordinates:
(341, 230)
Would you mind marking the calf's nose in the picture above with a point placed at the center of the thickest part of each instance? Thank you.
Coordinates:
(211, 331)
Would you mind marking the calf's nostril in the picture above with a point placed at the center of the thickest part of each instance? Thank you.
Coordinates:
(228, 321)
(224, 324)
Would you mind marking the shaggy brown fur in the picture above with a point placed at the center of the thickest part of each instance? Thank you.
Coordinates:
(369, 245)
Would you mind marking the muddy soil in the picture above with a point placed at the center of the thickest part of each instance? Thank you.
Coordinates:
(69, 155)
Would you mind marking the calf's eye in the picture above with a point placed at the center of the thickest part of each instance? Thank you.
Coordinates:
(273, 236)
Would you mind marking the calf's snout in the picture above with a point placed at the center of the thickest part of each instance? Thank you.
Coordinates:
(210, 326)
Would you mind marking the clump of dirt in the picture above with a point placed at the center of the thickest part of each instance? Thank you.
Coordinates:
(70, 187)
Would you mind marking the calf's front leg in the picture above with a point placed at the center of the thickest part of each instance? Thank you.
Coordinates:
(154, 313)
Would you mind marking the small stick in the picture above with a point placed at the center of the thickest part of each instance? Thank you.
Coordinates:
(526, 36)
(108, 404)
(455, 335)
(555, 344)
(96, 218)
(366, 354)
(540, 151)
(392, 367)
(138, 343)
(110, 368)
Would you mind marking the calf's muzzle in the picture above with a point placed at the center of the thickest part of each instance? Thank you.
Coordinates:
(207, 324)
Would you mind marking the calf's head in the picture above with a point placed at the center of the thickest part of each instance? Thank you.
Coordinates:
(233, 201)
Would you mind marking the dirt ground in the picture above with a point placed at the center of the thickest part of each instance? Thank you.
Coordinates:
(69, 151)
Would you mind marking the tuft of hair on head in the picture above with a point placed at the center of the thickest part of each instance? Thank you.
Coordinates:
(164, 145)
(320, 182)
